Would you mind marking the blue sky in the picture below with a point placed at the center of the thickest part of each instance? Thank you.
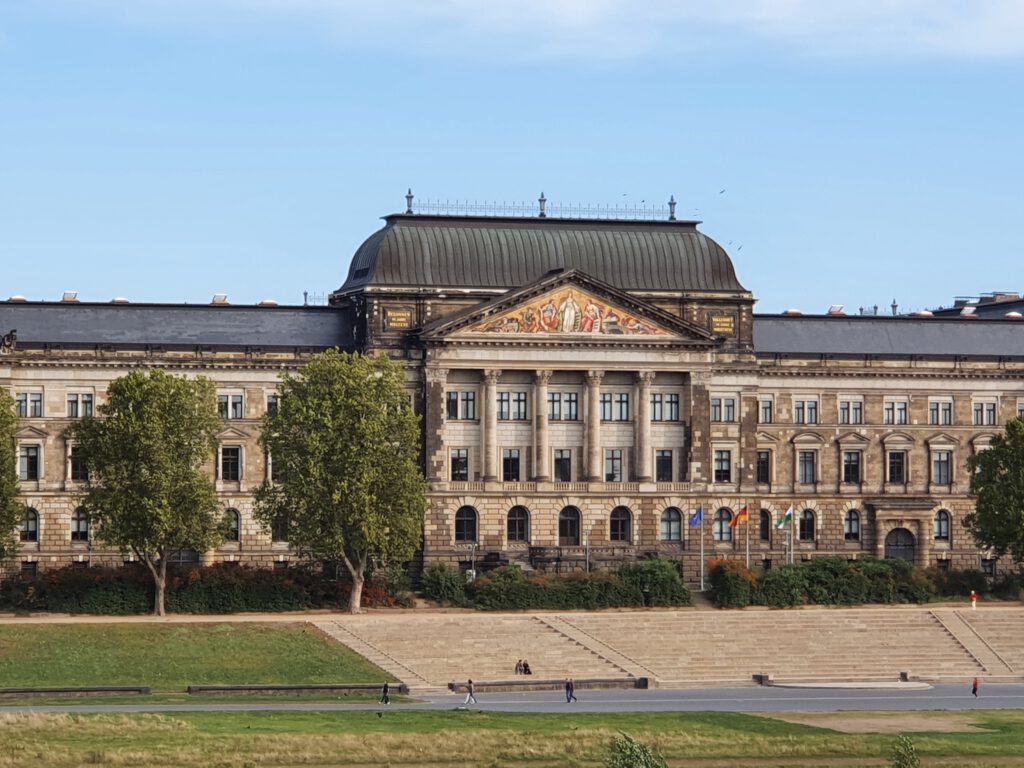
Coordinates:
(167, 150)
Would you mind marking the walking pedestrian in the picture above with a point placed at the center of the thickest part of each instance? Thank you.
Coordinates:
(570, 690)
(385, 694)
(469, 692)
(519, 667)
(974, 600)
(975, 686)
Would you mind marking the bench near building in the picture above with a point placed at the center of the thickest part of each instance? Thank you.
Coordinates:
(585, 385)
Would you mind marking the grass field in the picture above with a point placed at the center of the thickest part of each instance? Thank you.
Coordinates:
(479, 739)
(170, 657)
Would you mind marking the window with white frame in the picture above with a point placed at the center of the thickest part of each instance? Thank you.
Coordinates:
(723, 466)
(613, 465)
(723, 409)
(851, 411)
(806, 465)
(231, 463)
(29, 463)
(459, 465)
(79, 404)
(766, 411)
(984, 413)
(940, 412)
(461, 405)
(942, 462)
(805, 411)
(894, 412)
(230, 406)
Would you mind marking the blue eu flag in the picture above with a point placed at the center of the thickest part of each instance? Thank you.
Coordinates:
(697, 517)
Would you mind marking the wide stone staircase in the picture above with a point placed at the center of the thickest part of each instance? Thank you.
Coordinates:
(691, 647)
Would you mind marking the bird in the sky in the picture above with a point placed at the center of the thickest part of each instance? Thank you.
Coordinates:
(721, 191)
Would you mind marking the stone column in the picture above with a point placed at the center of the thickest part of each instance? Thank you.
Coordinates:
(642, 425)
(435, 411)
(491, 425)
(541, 459)
(924, 542)
(592, 428)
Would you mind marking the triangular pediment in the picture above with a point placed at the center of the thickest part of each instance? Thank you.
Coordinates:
(942, 438)
(852, 438)
(31, 433)
(568, 307)
(231, 433)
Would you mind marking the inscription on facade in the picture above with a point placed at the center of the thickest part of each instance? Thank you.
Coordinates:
(723, 324)
(397, 319)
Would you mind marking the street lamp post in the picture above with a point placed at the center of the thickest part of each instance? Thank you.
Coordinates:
(586, 548)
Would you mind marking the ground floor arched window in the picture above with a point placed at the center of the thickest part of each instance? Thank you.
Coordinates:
(671, 525)
(518, 524)
(569, 527)
(721, 529)
(465, 524)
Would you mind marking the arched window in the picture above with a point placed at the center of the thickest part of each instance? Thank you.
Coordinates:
(30, 525)
(620, 525)
(764, 525)
(851, 525)
(234, 528)
(519, 524)
(722, 530)
(465, 524)
(671, 525)
(942, 525)
(80, 525)
(807, 525)
(569, 527)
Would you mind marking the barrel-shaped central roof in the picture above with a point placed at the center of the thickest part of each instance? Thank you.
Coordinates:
(468, 252)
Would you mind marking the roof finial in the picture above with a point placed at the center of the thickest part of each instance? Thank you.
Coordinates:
(408, 201)
(672, 208)
(543, 202)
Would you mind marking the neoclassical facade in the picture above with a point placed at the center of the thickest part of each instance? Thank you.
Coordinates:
(592, 391)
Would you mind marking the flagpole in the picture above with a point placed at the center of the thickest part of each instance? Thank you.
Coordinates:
(700, 533)
(748, 536)
(792, 523)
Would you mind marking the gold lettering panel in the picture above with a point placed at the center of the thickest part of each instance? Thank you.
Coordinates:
(570, 310)
(397, 319)
(724, 324)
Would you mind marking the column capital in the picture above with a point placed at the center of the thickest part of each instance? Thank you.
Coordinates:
(542, 377)
(436, 375)
(645, 378)
(492, 376)
(594, 377)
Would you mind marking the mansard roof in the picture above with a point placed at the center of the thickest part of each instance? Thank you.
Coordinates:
(416, 251)
(887, 336)
(168, 325)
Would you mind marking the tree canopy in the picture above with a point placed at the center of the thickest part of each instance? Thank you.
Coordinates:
(997, 481)
(11, 511)
(344, 445)
(148, 455)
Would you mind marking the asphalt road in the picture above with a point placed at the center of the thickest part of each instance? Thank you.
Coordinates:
(748, 699)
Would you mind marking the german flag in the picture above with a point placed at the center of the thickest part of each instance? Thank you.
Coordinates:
(741, 517)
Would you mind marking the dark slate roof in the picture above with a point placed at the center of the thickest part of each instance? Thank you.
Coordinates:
(467, 252)
(175, 325)
(896, 336)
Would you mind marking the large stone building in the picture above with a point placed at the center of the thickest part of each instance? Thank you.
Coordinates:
(586, 386)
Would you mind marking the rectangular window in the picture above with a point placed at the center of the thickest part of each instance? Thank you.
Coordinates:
(764, 466)
(940, 413)
(622, 406)
(555, 406)
(230, 406)
(571, 406)
(723, 466)
(1020, 409)
(663, 466)
(35, 405)
(79, 405)
(231, 463)
(894, 412)
(941, 463)
(452, 405)
(459, 465)
(765, 412)
(806, 461)
(563, 465)
(672, 407)
(851, 412)
(79, 472)
(664, 407)
(613, 465)
(897, 462)
(467, 401)
(984, 414)
(272, 403)
(504, 405)
(510, 465)
(29, 568)
(851, 466)
(28, 462)
(805, 411)
(21, 405)
(657, 407)
(723, 409)
(606, 407)
(988, 566)
(519, 406)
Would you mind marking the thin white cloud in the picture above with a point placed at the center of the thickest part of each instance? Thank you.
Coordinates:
(601, 29)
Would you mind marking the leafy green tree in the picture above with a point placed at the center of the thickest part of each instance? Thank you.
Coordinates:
(904, 753)
(11, 510)
(997, 480)
(627, 752)
(345, 446)
(149, 489)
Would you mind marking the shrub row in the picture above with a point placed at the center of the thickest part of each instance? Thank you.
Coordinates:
(211, 589)
(649, 582)
(821, 581)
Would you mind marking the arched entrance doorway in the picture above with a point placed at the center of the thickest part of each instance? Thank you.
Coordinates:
(899, 545)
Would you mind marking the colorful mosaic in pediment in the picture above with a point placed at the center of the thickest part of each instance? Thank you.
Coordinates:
(570, 310)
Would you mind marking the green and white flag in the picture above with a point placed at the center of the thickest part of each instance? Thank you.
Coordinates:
(786, 518)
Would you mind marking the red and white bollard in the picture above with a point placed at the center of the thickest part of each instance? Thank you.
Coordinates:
(974, 600)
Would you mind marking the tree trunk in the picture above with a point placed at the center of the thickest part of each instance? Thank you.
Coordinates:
(160, 580)
(355, 600)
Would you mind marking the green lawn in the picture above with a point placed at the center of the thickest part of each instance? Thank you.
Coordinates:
(458, 738)
(170, 657)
